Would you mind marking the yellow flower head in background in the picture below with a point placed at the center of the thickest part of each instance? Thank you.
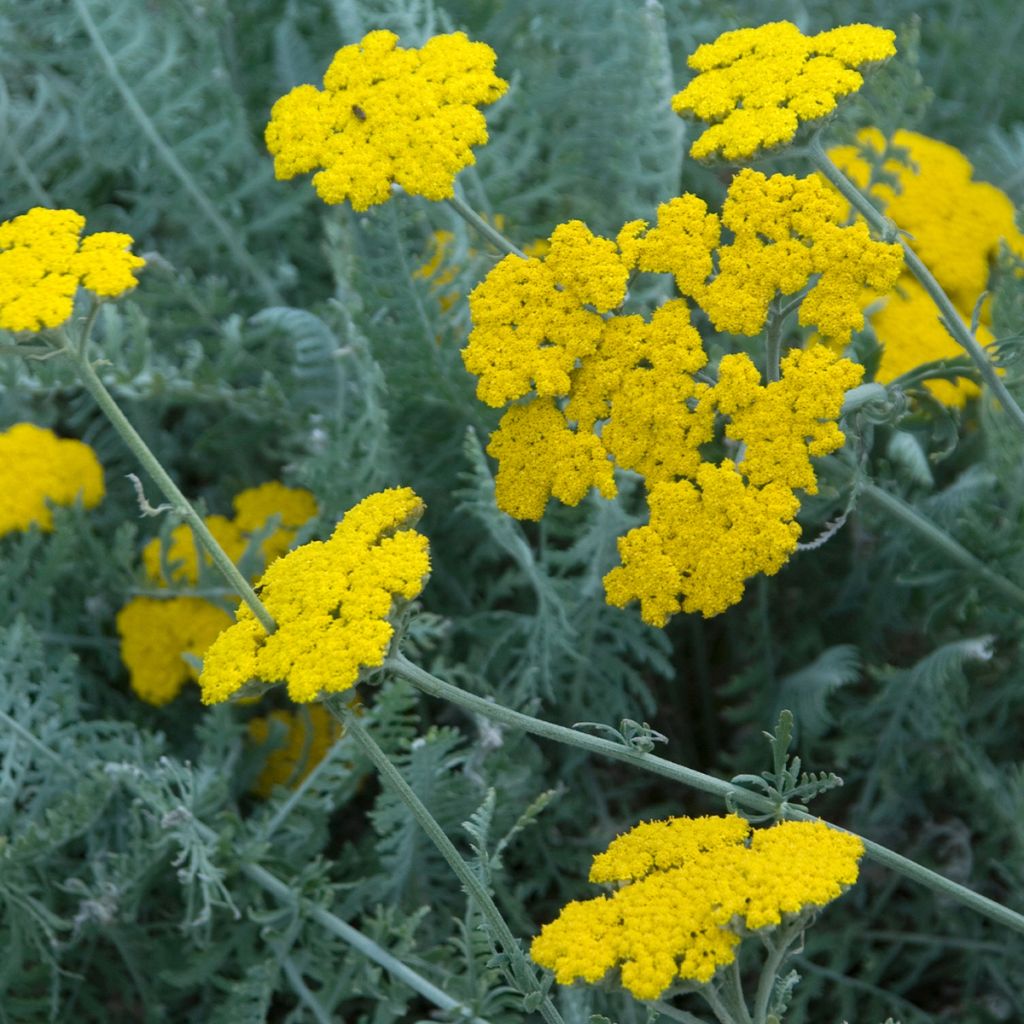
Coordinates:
(331, 601)
(757, 85)
(308, 733)
(44, 260)
(387, 115)
(255, 506)
(156, 632)
(182, 551)
(36, 468)
(689, 890)
(955, 224)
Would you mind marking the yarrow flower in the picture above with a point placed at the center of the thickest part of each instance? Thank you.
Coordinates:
(44, 260)
(595, 389)
(331, 601)
(387, 115)
(158, 633)
(956, 226)
(297, 742)
(38, 468)
(689, 890)
(757, 85)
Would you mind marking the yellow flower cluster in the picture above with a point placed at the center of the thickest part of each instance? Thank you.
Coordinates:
(387, 115)
(308, 733)
(331, 601)
(756, 86)
(597, 389)
(690, 889)
(156, 632)
(38, 468)
(956, 225)
(43, 261)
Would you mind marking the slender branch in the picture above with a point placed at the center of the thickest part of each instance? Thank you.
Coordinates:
(357, 940)
(475, 889)
(938, 538)
(734, 990)
(780, 945)
(951, 317)
(674, 1013)
(717, 1004)
(491, 233)
(773, 342)
(301, 989)
(182, 506)
(698, 780)
(228, 234)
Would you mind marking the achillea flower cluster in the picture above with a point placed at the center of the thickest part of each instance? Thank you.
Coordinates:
(756, 86)
(956, 225)
(38, 469)
(44, 260)
(302, 739)
(157, 632)
(387, 115)
(331, 602)
(596, 389)
(689, 890)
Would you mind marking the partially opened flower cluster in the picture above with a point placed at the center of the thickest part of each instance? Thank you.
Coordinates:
(956, 225)
(688, 890)
(38, 469)
(44, 261)
(331, 600)
(157, 632)
(387, 115)
(595, 389)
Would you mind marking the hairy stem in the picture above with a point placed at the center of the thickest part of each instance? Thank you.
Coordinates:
(781, 940)
(491, 233)
(474, 888)
(932, 880)
(951, 318)
(139, 448)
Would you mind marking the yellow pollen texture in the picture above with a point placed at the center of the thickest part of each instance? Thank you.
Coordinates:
(43, 261)
(331, 601)
(756, 86)
(693, 887)
(387, 115)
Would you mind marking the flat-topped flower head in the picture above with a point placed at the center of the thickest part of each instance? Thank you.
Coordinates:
(44, 260)
(387, 115)
(38, 469)
(331, 601)
(690, 889)
(755, 86)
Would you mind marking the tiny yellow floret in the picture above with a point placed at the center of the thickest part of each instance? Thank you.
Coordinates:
(331, 601)
(690, 889)
(43, 262)
(38, 468)
(387, 116)
(756, 86)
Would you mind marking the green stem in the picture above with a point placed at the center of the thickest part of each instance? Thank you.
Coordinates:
(938, 538)
(780, 945)
(357, 940)
(301, 989)
(674, 1013)
(474, 888)
(229, 235)
(951, 317)
(773, 343)
(697, 780)
(734, 989)
(717, 1004)
(491, 233)
(182, 506)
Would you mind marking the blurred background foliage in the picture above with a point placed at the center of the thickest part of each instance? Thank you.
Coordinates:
(273, 337)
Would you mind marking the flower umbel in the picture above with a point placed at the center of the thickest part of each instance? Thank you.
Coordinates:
(755, 86)
(331, 601)
(43, 261)
(37, 467)
(691, 889)
(387, 115)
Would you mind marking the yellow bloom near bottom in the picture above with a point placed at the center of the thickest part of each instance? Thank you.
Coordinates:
(331, 601)
(693, 888)
(154, 635)
(308, 735)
